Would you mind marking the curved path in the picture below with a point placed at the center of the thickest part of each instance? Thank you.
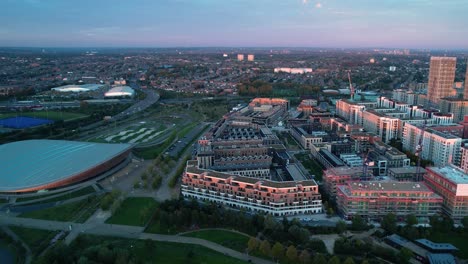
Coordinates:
(96, 228)
(17, 238)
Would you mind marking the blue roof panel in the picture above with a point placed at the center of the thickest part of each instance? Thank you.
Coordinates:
(30, 163)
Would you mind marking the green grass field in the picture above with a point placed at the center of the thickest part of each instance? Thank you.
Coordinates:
(77, 193)
(311, 165)
(133, 211)
(53, 115)
(36, 239)
(76, 211)
(458, 240)
(228, 239)
(147, 251)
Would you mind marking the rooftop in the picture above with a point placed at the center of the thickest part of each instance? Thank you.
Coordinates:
(78, 88)
(390, 186)
(452, 173)
(412, 169)
(435, 246)
(32, 163)
(443, 258)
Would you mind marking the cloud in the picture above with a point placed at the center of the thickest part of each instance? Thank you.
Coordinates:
(99, 31)
(305, 2)
(318, 5)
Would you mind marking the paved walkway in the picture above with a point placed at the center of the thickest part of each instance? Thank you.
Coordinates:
(28, 257)
(94, 227)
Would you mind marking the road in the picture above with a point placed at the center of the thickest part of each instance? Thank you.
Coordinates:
(151, 98)
(95, 226)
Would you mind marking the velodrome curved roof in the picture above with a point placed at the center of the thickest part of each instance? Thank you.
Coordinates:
(30, 163)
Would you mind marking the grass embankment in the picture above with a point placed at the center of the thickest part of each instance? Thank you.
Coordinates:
(154, 151)
(67, 196)
(134, 211)
(36, 239)
(232, 240)
(78, 211)
(99, 249)
(456, 239)
(52, 115)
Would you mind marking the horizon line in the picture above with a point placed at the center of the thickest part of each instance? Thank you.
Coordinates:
(231, 47)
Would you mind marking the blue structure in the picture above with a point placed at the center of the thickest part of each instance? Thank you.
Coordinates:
(35, 165)
(20, 122)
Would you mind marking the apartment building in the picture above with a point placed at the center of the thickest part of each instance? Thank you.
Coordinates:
(351, 110)
(451, 183)
(441, 78)
(464, 159)
(456, 106)
(439, 147)
(375, 199)
(263, 196)
(333, 177)
(386, 127)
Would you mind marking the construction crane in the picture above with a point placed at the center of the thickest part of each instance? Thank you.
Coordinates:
(351, 88)
(365, 166)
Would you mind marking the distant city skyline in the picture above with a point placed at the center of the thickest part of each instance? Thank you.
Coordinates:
(432, 24)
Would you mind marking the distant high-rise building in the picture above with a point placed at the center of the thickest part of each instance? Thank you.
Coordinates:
(465, 91)
(458, 107)
(250, 57)
(441, 78)
(240, 57)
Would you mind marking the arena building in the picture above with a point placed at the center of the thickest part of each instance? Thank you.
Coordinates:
(120, 91)
(38, 165)
(78, 88)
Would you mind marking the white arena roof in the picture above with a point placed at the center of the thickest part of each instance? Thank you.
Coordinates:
(120, 91)
(77, 88)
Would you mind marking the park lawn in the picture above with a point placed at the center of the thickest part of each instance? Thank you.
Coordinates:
(133, 211)
(155, 227)
(458, 240)
(36, 239)
(67, 212)
(166, 252)
(225, 238)
(148, 251)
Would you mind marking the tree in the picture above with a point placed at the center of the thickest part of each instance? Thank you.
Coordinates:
(465, 222)
(389, 223)
(411, 220)
(265, 247)
(330, 211)
(304, 257)
(358, 223)
(349, 260)
(277, 251)
(334, 260)
(405, 255)
(320, 259)
(341, 227)
(365, 261)
(291, 253)
(252, 245)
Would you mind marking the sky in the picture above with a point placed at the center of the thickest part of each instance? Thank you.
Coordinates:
(433, 24)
